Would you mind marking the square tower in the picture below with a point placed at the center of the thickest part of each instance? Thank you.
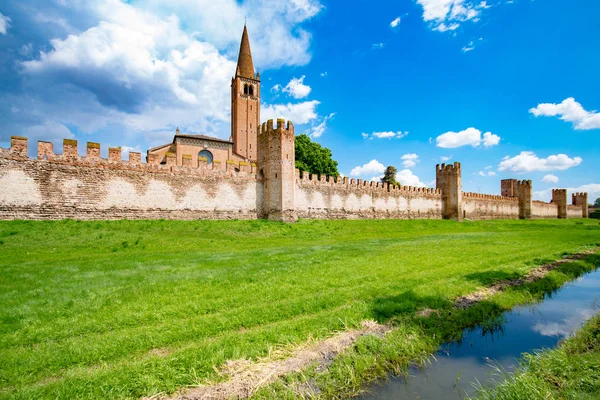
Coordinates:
(245, 104)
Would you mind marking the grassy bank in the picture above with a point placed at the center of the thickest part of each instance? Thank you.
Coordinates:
(570, 371)
(132, 308)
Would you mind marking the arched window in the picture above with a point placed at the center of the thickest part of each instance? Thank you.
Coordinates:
(245, 89)
(206, 154)
(251, 90)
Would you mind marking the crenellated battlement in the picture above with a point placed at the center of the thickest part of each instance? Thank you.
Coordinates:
(90, 186)
(307, 179)
(449, 169)
(281, 126)
(482, 196)
(92, 158)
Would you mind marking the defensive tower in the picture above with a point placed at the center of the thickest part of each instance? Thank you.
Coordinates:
(559, 197)
(245, 103)
(581, 199)
(276, 160)
(448, 179)
(521, 189)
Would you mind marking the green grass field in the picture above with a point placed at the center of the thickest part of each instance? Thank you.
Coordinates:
(127, 309)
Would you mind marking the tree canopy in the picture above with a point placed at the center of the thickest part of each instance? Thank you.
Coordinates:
(313, 158)
(389, 176)
(597, 202)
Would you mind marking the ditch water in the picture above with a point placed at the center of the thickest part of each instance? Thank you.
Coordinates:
(456, 368)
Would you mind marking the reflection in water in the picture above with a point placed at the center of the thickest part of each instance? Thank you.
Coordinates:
(457, 366)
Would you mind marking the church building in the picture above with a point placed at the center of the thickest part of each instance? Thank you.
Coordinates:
(245, 120)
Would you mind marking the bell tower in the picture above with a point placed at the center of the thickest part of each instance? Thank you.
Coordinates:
(245, 104)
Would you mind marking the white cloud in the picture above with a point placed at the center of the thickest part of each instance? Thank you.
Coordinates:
(406, 178)
(296, 88)
(444, 158)
(378, 46)
(447, 15)
(276, 88)
(299, 113)
(527, 161)
(487, 171)
(570, 111)
(318, 129)
(550, 178)
(373, 167)
(149, 66)
(468, 137)
(384, 135)
(592, 189)
(471, 46)
(395, 22)
(323, 74)
(4, 24)
(409, 160)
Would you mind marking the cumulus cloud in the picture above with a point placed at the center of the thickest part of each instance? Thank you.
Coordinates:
(373, 167)
(296, 88)
(445, 158)
(592, 189)
(570, 111)
(487, 171)
(468, 137)
(139, 69)
(299, 113)
(550, 178)
(447, 15)
(384, 135)
(395, 22)
(528, 161)
(4, 24)
(319, 128)
(409, 160)
(406, 178)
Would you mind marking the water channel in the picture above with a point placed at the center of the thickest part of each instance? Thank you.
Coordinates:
(456, 367)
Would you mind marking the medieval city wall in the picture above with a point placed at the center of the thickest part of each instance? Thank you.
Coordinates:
(574, 211)
(540, 209)
(487, 206)
(90, 187)
(328, 198)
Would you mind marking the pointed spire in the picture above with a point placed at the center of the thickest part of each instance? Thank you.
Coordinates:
(177, 131)
(245, 67)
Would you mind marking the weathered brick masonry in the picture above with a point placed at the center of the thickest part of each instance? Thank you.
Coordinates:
(67, 185)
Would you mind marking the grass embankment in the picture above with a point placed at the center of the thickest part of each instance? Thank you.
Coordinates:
(570, 371)
(131, 308)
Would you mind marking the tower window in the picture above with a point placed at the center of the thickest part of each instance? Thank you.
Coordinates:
(207, 154)
(251, 90)
(245, 89)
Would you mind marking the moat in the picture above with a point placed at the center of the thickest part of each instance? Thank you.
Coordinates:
(457, 368)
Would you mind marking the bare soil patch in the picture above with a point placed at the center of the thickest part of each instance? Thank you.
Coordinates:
(533, 276)
(246, 377)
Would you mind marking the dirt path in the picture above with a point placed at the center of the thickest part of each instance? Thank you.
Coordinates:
(245, 377)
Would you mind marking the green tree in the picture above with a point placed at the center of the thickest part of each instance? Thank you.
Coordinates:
(313, 158)
(597, 202)
(389, 176)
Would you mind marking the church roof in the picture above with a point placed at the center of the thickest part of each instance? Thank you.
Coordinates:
(245, 67)
(203, 137)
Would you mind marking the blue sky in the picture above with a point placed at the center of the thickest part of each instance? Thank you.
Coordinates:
(508, 88)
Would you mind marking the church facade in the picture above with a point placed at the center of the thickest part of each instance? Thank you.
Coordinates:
(245, 121)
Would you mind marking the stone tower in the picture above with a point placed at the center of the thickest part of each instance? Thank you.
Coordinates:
(521, 189)
(559, 197)
(245, 103)
(276, 163)
(581, 199)
(448, 179)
